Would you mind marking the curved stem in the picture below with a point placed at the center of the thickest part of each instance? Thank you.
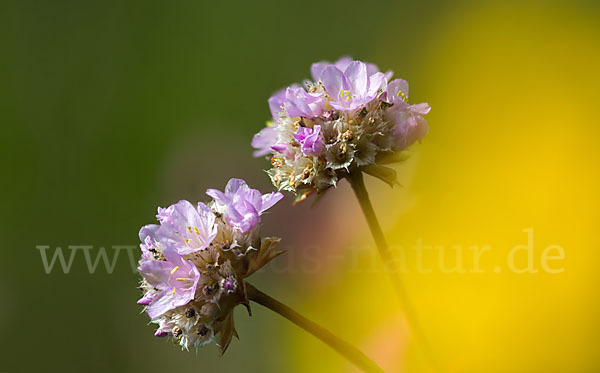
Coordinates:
(358, 185)
(342, 347)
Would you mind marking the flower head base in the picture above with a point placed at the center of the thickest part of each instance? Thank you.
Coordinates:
(352, 118)
(194, 263)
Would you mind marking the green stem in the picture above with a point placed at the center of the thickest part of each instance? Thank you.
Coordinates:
(358, 185)
(342, 347)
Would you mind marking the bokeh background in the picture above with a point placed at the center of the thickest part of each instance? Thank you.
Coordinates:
(110, 109)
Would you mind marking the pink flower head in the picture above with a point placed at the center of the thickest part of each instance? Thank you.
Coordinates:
(344, 121)
(193, 265)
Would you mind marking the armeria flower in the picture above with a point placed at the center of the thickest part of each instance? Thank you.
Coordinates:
(174, 279)
(299, 103)
(310, 140)
(195, 261)
(276, 101)
(352, 88)
(199, 223)
(351, 118)
(264, 140)
(242, 205)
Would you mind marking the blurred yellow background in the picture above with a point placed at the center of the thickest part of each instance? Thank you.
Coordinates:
(111, 110)
(512, 146)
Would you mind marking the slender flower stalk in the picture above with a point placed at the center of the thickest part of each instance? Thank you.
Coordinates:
(348, 351)
(358, 186)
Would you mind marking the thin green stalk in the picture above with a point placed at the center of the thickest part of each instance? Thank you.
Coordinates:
(354, 355)
(358, 185)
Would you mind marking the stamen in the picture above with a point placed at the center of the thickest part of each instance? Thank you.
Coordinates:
(176, 332)
(181, 279)
(174, 269)
(306, 173)
(276, 162)
(173, 293)
(196, 230)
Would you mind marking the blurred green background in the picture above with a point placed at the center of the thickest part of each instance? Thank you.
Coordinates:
(110, 109)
